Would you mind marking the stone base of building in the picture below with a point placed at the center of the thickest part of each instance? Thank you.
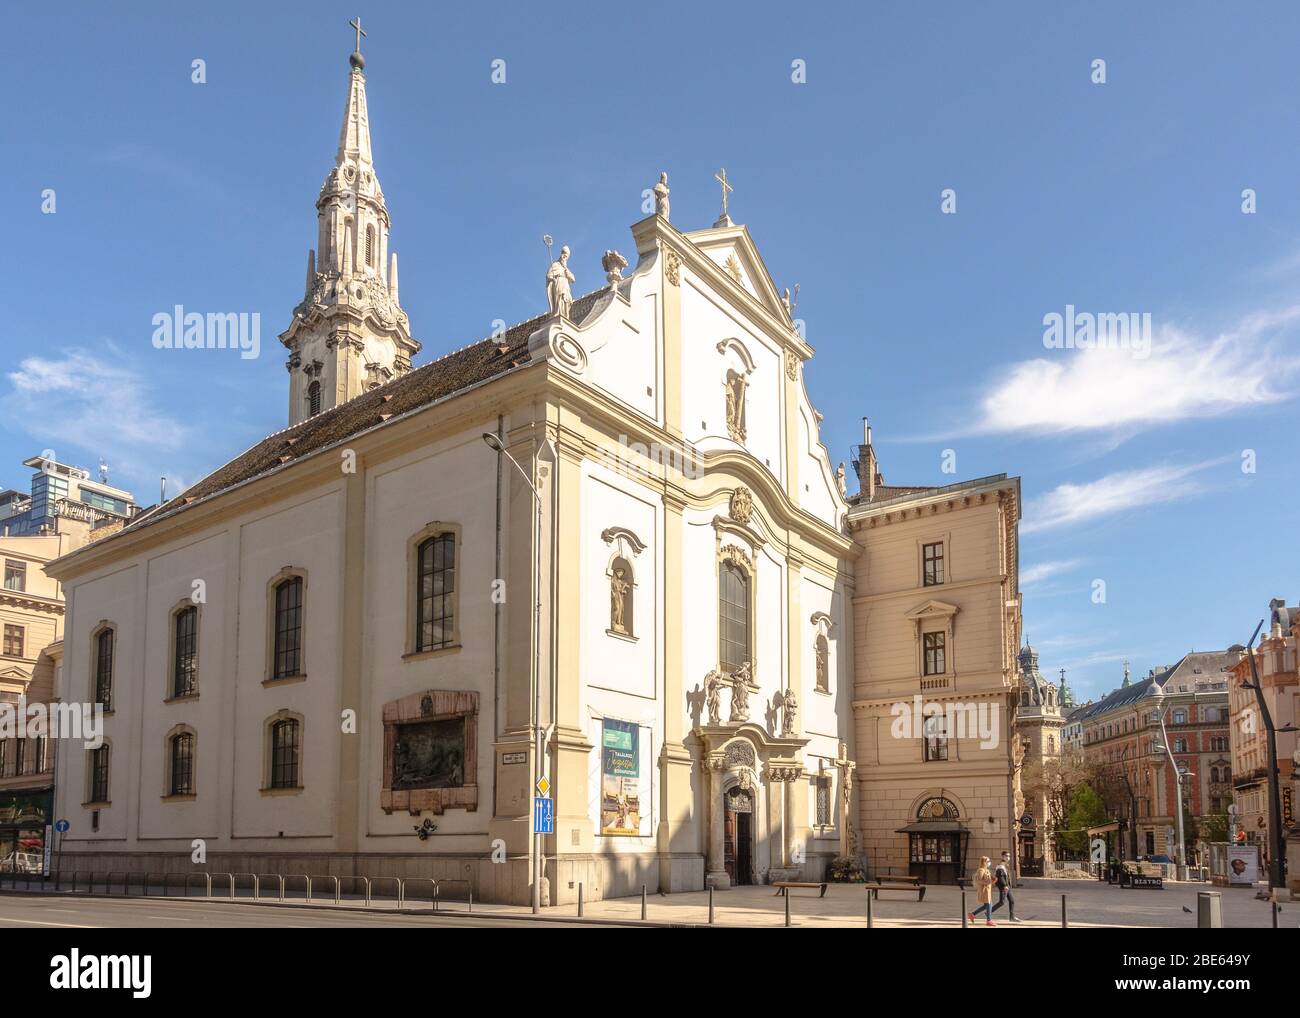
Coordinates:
(506, 883)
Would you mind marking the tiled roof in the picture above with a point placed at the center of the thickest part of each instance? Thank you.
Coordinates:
(419, 387)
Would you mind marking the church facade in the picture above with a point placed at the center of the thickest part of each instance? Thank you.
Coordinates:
(605, 545)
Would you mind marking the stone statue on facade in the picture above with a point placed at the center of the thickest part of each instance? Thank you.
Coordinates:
(661, 196)
(740, 694)
(789, 713)
(558, 277)
(713, 697)
(619, 589)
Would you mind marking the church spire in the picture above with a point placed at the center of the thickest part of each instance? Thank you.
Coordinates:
(349, 334)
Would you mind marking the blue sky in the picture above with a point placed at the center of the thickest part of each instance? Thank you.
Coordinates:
(1117, 197)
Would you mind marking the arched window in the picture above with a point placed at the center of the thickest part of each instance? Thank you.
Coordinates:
(287, 652)
(620, 597)
(1214, 775)
(370, 246)
(185, 656)
(181, 764)
(104, 668)
(1051, 744)
(313, 399)
(284, 753)
(435, 588)
(733, 617)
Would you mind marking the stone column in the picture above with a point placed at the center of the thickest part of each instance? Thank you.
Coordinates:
(717, 876)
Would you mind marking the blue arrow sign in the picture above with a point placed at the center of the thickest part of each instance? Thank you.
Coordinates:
(543, 815)
(62, 826)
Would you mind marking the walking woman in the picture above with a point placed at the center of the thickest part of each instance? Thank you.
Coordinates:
(984, 892)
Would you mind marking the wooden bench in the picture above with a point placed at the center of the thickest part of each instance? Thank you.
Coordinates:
(914, 886)
(900, 879)
(783, 887)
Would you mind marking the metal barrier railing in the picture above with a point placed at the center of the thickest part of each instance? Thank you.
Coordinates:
(337, 897)
(276, 876)
(232, 884)
(365, 883)
(433, 890)
(395, 880)
(256, 884)
(469, 892)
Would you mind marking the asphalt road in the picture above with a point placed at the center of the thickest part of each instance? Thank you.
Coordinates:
(18, 911)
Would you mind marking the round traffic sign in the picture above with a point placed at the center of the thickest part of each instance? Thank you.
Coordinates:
(62, 826)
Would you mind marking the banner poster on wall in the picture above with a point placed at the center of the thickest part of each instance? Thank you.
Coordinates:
(620, 793)
(1243, 864)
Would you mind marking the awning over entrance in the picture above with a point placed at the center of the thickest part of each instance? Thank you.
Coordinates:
(934, 827)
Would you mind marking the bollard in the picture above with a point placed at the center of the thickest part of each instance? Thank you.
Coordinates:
(643, 902)
(710, 904)
(1209, 910)
(579, 900)
(870, 921)
(786, 896)
(1276, 909)
(1065, 915)
(965, 916)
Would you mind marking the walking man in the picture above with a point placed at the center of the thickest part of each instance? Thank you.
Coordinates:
(1002, 881)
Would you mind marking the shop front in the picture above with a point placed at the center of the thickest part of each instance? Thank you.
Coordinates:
(24, 814)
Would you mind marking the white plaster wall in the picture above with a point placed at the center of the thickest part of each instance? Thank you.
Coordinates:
(623, 348)
(452, 481)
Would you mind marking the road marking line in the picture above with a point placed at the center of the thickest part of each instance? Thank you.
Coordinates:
(34, 922)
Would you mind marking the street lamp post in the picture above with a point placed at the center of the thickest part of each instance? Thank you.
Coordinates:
(1180, 856)
(539, 748)
(1277, 865)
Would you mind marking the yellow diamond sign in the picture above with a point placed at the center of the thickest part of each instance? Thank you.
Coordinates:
(543, 786)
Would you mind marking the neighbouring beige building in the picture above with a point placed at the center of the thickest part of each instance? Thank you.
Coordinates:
(936, 625)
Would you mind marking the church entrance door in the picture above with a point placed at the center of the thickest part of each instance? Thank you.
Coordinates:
(738, 828)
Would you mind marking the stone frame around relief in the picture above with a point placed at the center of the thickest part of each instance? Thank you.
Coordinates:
(431, 706)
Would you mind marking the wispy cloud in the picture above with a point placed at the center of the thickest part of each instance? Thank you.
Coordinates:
(1041, 571)
(90, 403)
(1069, 504)
(1109, 389)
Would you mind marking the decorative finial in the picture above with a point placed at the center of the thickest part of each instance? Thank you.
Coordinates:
(356, 59)
(721, 178)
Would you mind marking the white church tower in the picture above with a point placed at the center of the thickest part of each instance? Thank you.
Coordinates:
(349, 334)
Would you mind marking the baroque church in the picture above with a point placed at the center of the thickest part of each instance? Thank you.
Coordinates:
(606, 547)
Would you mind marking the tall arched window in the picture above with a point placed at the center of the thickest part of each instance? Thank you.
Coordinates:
(104, 668)
(370, 246)
(99, 774)
(313, 399)
(435, 588)
(733, 617)
(182, 764)
(287, 655)
(284, 753)
(185, 648)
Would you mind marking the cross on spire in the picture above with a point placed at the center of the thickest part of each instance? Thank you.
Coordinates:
(356, 23)
(721, 178)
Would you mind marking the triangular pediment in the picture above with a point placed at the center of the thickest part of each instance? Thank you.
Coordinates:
(933, 609)
(733, 250)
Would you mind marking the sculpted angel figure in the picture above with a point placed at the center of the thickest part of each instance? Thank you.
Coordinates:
(713, 696)
(740, 694)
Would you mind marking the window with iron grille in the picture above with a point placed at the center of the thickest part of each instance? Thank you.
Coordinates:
(435, 589)
(288, 628)
(284, 754)
(932, 557)
(13, 641)
(733, 617)
(182, 764)
(935, 661)
(99, 774)
(936, 738)
(185, 663)
(824, 799)
(104, 669)
(15, 575)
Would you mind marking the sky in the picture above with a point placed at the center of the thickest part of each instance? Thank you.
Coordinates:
(946, 177)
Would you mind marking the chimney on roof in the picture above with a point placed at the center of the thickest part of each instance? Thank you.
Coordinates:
(866, 466)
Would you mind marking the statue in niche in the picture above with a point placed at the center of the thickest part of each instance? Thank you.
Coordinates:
(823, 677)
(713, 696)
(661, 196)
(789, 713)
(740, 694)
(736, 386)
(558, 277)
(620, 599)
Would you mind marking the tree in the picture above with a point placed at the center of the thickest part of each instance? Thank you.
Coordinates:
(1086, 810)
